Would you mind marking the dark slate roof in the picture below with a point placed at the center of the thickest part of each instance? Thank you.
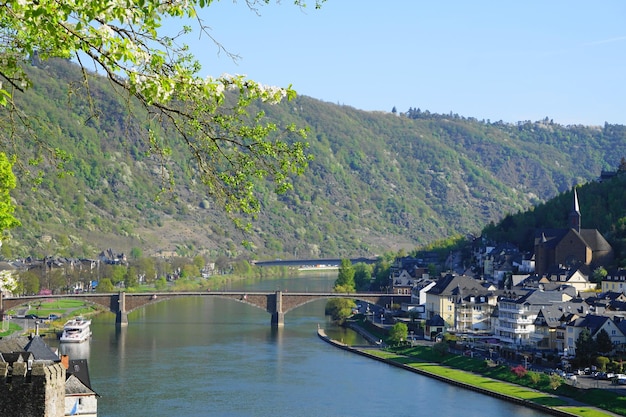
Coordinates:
(40, 350)
(549, 237)
(451, 284)
(74, 386)
(552, 315)
(590, 321)
(595, 240)
(79, 369)
(538, 297)
(13, 344)
(617, 306)
(606, 297)
(436, 320)
(621, 324)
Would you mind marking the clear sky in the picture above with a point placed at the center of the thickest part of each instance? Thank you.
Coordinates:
(496, 60)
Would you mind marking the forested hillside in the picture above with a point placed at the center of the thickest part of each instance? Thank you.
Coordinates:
(602, 206)
(378, 181)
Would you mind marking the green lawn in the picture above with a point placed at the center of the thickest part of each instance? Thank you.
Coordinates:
(11, 328)
(65, 308)
(500, 379)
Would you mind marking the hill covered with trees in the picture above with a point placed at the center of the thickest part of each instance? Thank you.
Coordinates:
(377, 181)
(602, 207)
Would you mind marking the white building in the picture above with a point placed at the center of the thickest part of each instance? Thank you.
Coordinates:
(517, 311)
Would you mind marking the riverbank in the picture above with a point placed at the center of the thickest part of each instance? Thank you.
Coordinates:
(551, 404)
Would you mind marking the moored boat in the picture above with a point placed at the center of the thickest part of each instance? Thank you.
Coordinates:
(76, 330)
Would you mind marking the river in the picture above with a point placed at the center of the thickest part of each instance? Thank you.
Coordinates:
(212, 357)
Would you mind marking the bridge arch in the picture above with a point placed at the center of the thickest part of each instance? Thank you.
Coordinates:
(276, 303)
(106, 301)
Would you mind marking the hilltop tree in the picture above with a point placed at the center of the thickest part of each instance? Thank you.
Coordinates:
(28, 283)
(362, 276)
(339, 309)
(585, 346)
(231, 145)
(603, 342)
(598, 275)
(345, 277)
(130, 277)
(398, 332)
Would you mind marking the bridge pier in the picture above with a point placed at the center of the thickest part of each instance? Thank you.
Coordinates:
(121, 317)
(278, 316)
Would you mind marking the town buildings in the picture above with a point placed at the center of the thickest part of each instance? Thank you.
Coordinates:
(533, 302)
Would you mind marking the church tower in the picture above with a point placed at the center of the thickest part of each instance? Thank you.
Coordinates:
(574, 215)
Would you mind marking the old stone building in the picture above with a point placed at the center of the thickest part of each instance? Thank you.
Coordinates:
(571, 247)
(36, 382)
(31, 389)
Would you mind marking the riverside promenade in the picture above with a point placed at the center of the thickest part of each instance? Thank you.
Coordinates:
(560, 411)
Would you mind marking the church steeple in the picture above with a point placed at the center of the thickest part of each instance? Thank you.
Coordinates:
(574, 215)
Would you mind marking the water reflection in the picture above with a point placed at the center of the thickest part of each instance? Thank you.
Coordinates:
(75, 350)
(206, 356)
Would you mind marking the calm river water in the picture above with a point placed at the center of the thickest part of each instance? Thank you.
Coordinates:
(212, 357)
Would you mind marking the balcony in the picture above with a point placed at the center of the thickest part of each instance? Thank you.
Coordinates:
(516, 320)
(514, 309)
(514, 330)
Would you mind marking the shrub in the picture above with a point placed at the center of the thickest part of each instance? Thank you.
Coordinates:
(534, 377)
(602, 362)
(441, 348)
(555, 381)
(519, 370)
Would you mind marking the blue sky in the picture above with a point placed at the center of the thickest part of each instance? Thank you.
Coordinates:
(495, 60)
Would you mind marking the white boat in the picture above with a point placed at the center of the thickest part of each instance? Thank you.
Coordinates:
(76, 330)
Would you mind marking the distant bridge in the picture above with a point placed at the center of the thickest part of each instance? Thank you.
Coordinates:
(276, 303)
(329, 262)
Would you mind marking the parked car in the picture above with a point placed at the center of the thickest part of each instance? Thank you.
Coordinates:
(54, 317)
(31, 316)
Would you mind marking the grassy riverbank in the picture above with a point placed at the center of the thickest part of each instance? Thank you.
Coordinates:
(64, 309)
(538, 388)
(531, 386)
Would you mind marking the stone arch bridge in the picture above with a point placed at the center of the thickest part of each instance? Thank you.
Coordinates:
(276, 303)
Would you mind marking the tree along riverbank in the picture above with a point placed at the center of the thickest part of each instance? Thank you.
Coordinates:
(557, 405)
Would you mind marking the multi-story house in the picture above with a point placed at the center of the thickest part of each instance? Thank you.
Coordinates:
(594, 324)
(418, 295)
(518, 310)
(444, 296)
(571, 276)
(473, 310)
(405, 274)
(615, 281)
(551, 321)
